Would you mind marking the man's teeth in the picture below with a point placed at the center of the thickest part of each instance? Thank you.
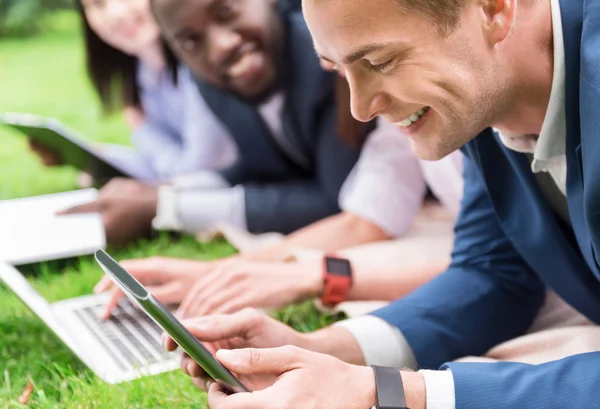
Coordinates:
(243, 64)
(408, 121)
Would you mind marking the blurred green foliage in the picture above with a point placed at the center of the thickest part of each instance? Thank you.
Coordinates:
(27, 17)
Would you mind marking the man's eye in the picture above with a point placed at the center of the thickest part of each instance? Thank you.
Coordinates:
(381, 68)
(226, 11)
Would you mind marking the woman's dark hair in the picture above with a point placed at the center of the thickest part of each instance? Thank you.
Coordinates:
(112, 72)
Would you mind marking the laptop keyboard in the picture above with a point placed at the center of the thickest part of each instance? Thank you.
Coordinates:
(129, 336)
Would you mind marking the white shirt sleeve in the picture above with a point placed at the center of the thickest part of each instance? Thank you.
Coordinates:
(439, 387)
(199, 210)
(383, 344)
(200, 180)
(445, 179)
(386, 186)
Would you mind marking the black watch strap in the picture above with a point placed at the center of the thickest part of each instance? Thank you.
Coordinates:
(390, 391)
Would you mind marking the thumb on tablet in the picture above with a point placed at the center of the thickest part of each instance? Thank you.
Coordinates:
(252, 361)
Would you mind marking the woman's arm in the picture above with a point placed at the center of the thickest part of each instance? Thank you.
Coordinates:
(330, 234)
(239, 284)
(390, 283)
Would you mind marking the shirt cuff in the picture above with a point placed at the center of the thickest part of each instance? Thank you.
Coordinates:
(381, 343)
(439, 387)
(200, 180)
(198, 211)
(166, 209)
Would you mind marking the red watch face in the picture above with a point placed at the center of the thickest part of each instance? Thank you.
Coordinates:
(338, 266)
(338, 280)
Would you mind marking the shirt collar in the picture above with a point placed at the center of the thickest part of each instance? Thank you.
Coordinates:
(147, 77)
(552, 139)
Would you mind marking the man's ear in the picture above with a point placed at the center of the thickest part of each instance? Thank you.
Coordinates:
(498, 18)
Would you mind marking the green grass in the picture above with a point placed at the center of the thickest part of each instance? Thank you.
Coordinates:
(45, 76)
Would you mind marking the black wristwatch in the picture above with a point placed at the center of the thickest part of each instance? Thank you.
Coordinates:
(390, 391)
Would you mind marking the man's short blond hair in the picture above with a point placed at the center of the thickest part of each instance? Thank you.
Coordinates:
(443, 13)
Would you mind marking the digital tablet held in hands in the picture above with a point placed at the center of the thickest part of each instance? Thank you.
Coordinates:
(169, 324)
(72, 149)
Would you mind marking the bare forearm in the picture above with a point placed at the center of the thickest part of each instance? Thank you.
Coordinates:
(331, 234)
(390, 283)
(369, 283)
(337, 342)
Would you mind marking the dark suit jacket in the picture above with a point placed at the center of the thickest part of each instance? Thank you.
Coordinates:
(510, 245)
(281, 194)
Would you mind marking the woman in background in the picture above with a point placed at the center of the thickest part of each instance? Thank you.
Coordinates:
(174, 132)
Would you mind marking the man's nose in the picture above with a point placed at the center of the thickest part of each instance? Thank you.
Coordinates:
(366, 102)
(222, 42)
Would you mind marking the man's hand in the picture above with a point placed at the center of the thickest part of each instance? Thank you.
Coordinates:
(127, 208)
(167, 279)
(48, 157)
(300, 380)
(245, 329)
(237, 284)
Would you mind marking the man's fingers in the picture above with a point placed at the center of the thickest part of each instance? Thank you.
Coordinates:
(203, 383)
(252, 361)
(218, 399)
(147, 270)
(212, 303)
(91, 207)
(169, 293)
(217, 328)
(113, 301)
(103, 285)
(192, 300)
(191, 367)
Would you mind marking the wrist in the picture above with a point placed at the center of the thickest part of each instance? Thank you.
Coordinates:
(335, 341)
(311, 275)
(414, 389)
(367, 388)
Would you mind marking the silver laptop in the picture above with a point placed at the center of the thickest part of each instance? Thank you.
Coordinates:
(126, 347)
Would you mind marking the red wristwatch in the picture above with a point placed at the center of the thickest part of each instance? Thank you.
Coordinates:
(337, 276)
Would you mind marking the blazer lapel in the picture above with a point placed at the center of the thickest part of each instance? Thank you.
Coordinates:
(529, 222)
(572, 20)
(259, 151)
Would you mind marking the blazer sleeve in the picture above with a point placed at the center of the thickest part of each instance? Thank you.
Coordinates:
(289, 205)
(488, 294)
(568, 383)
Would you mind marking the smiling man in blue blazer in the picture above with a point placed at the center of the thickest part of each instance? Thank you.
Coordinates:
(516, 84)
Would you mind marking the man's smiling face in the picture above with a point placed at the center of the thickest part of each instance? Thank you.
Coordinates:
(439, 84)
(231, 44)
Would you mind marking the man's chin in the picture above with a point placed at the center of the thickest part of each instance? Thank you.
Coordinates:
(428, 150)
(260, 95)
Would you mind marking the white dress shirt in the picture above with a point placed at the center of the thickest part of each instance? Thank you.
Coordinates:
(384, 344)
(388, 183)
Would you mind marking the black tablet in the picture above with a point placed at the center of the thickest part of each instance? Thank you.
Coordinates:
(73, 149)
(155, 310)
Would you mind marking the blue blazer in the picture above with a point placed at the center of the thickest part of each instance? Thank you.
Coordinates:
(509, 245)
(281, 194)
